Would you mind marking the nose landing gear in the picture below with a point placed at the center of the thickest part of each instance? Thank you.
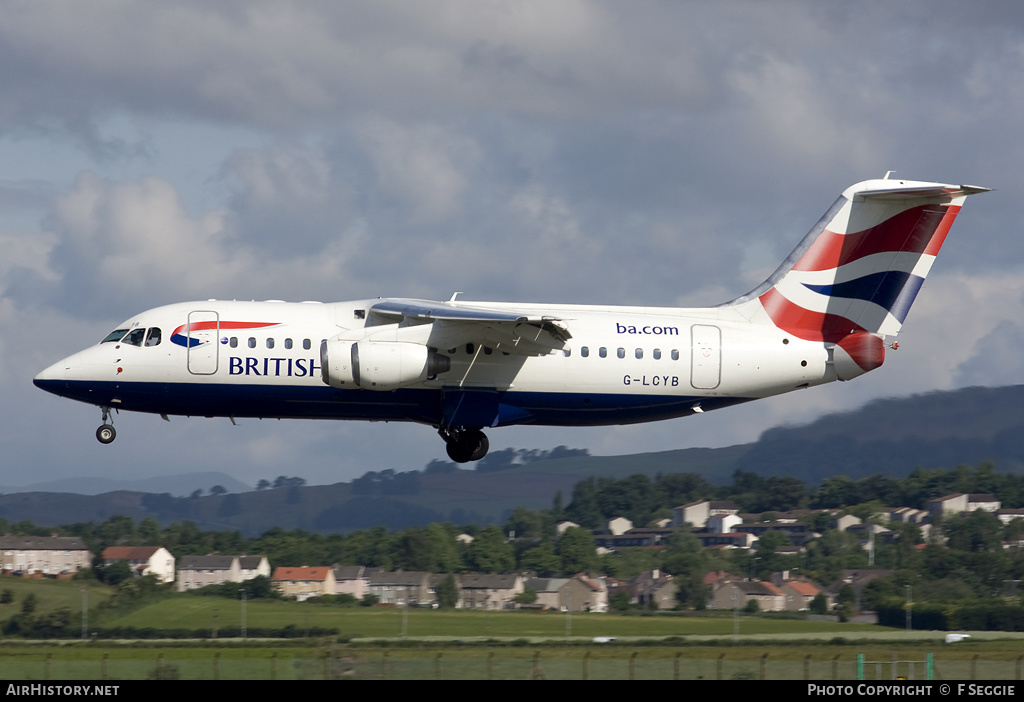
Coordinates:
(106, 433)
(465, 445)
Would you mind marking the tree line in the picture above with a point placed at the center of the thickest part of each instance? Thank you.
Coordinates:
(642, 499)
(963, 560)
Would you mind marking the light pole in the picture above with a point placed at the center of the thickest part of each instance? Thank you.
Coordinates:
(568, 618)
(910, 604)
(244, 632)
(85, 612)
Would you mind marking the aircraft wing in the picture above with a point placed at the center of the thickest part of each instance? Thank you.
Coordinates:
(512, 332)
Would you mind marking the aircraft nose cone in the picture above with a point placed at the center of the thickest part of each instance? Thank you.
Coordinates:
(52, 379)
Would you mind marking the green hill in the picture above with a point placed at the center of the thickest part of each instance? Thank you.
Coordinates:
(891, 437)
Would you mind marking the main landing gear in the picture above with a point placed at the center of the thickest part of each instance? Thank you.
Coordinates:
(106, 433)
(465, 445)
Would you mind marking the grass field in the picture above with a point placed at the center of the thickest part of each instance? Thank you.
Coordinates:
(52, 594)
(381, 622)
(389, 643)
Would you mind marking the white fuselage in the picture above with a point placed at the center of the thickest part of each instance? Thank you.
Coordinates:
(622, 365)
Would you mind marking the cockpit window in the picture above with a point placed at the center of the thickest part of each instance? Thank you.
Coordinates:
(135, 337)
(153, 337)
(115, 335)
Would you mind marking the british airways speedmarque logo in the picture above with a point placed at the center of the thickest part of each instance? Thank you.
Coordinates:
(185, 334)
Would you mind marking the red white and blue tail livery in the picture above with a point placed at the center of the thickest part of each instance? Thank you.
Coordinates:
(460, 367)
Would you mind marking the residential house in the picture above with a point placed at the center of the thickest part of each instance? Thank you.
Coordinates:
(351, 580)
(984, 501)
(587, 594)
(144, 560)
(869, 533)
(195, 572)
(548, 591)
(49, 555)
(799, 534)
(845, 521)
(563, 525)
(619, 525)
(402, 588)
(736, 539)
(253, 566)
(798, 594)
(639, 537)
(488, 591)
(723, 523)
(1008, 515)
(303, 582)
(580, 593)
(959, 502)
(199, 571)
(908, 515)
(735, 594)
(693, 513)
(653, 589)
(698, 513)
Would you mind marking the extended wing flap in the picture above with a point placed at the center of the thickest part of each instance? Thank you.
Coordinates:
(511, 331)
(430, 311)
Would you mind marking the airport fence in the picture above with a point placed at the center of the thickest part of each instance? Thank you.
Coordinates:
(618, 663)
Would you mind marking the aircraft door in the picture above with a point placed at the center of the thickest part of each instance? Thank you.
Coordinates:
(705, 356)
(202, 336)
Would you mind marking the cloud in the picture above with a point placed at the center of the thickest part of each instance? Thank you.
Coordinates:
(133, 240)
(998, 360)
(590, 152)
(423, 166)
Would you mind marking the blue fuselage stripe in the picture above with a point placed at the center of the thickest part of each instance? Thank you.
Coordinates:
(412, 405)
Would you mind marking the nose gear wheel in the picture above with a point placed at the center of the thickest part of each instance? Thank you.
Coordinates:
(106, 433)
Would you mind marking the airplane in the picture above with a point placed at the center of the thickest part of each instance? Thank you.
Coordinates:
(461, 367)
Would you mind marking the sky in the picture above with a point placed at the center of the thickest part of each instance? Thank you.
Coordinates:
(651, 153)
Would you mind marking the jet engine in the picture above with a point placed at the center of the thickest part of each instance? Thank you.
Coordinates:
(378, 365)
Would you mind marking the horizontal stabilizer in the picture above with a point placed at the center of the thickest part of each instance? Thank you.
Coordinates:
(912, 189)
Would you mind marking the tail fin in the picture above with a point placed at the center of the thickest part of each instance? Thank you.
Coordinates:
(860, 268)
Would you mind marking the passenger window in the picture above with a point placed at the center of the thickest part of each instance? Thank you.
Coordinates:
(305, 344)
(115, 335)
(675, 354)
(469, 349)
(252, 342)
(488, 350)
(270, 343)
(287, 343)
(233, 342)
(585, 352)
(657, 354)
(567, 352)
(153, 338)
(639, 353)
(602, 352)
(621, 353)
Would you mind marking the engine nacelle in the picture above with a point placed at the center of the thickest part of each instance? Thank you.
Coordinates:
(857, 354)
(336, 363)
(378, 365)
